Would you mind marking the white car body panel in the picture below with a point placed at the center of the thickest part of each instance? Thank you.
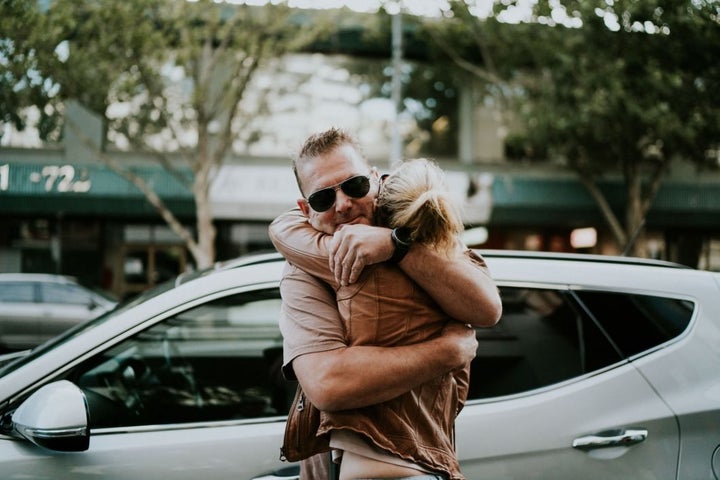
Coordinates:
(214, 453)
(509, 438)
(673, 392)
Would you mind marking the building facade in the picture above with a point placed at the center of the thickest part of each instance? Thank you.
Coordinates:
(60, 214)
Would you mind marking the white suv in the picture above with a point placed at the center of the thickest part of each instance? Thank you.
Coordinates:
(37, 307)
(600, 368)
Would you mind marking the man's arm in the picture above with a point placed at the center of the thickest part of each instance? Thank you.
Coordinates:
(460, 284)
(359, 376)
(337, 377)
(302, 245)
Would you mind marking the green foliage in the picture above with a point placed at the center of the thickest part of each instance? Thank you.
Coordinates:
(634, 82)
(608, 98)
(167, 75)
(20, 52)
(605, 86)
(161, 60)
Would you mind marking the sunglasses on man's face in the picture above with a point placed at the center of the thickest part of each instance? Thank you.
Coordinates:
(355, 187)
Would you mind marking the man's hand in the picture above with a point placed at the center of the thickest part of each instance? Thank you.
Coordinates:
(353, 247)
(462, 342)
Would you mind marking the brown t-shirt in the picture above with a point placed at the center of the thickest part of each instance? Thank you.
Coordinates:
(309, 318)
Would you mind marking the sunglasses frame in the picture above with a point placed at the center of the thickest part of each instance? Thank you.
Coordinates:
(339, 186)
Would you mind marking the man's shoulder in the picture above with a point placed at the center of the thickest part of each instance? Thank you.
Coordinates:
(301, 283)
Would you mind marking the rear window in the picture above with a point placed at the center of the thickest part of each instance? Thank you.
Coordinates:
(17, 292)
(64, 293)
(637, 323)
(541, 340)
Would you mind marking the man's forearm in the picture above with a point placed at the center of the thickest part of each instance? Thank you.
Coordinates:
(359, 376)
(301, 244)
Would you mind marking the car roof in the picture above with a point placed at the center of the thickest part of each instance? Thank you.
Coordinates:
(243, 261)
(571, 270)
(265, 257)
(581, 257)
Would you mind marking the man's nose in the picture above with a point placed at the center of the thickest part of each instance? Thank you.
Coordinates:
(343, 202)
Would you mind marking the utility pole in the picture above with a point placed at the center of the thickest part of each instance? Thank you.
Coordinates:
(397, 54)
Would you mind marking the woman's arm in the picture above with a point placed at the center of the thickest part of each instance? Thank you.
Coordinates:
(461, 285)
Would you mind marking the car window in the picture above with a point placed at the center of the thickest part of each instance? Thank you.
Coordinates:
(64, 293)
(637, 323)
(217, 361)
(541, 339)
(20, 292)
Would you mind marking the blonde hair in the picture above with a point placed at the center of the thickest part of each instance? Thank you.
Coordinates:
(415, 196)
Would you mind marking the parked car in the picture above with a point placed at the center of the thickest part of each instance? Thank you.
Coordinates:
(37, 307)
(600, 368)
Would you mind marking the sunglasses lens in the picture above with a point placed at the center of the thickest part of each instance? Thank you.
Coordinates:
(322, 199)
(355, 187)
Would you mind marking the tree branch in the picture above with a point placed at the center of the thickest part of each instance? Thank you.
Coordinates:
(151, 196)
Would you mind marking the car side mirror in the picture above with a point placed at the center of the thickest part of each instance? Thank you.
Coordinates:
(55, 417)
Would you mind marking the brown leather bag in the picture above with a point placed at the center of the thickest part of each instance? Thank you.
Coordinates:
(301, 439)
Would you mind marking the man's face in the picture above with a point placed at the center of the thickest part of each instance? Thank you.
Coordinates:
(331, 170)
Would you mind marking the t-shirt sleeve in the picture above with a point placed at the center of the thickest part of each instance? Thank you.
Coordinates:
(309, 318)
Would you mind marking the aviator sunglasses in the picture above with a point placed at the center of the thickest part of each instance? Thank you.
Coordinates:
(355, 187)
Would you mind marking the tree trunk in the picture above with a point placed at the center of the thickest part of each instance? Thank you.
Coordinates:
(205, 253)
(616, 227)
(634, 217)
(640, 198)
(147, 191)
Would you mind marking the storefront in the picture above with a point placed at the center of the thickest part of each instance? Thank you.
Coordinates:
(85, 220)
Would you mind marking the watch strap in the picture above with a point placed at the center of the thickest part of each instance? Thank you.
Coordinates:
(401, 240)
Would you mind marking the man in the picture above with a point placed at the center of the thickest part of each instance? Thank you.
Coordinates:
(333, 177)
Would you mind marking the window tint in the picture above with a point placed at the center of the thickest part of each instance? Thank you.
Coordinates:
(22, 292)
(540, 340)
(638, 322)
(218, 361)
(64, 293)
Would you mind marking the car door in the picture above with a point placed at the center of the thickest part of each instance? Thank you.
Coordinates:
(198, 395)
(552, 397)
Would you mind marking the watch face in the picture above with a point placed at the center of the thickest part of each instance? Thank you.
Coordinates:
(402, 236)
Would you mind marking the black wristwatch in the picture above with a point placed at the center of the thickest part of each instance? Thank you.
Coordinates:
(402, 241)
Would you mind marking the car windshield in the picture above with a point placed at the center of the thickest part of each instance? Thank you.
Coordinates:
(21, 359)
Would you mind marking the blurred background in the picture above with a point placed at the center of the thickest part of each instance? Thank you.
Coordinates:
(143, 138)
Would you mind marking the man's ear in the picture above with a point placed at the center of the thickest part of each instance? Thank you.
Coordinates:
(304, 207)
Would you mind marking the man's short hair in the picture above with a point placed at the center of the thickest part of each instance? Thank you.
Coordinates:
(322, 143)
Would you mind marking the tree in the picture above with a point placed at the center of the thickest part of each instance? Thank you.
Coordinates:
(20, 49)
(171, 77)
(624, 87)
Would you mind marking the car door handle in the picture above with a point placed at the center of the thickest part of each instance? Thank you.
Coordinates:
(611, 438)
